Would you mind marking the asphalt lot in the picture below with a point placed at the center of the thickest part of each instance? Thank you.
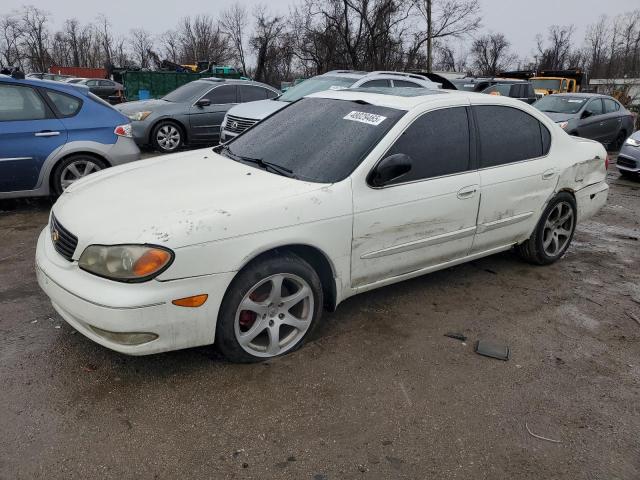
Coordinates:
(379, 393)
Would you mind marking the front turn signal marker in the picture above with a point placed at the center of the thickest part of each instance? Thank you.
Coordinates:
(192, 302)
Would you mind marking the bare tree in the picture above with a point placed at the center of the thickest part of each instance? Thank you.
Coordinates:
(36, 37)
(445, 19)
(595, 44)
(141, 43)
(235, 21)
(11, 40)
(201, 39)
(557, 54)
(105, 39)
(491, 54)
(267, 30)
(170, 43)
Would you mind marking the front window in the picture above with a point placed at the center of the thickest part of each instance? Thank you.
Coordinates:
(546, 84)
(316, 139)
(186, 92)
(316, 84)
(560, 104)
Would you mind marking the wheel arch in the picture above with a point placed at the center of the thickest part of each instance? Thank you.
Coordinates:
(318, 260)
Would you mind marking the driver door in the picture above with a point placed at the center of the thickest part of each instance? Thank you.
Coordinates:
(425, 217)
(593, 126)
(205, 120)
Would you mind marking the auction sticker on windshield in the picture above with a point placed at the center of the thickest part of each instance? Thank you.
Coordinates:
(364, 117)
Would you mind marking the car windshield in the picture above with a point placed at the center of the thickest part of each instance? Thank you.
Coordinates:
(315, 139)
(546, 83)
(315, 84)
(560, 104)
(186, 92)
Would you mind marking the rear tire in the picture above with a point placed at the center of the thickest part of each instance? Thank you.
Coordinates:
(553, 233)
(270, 309)
(73, 168)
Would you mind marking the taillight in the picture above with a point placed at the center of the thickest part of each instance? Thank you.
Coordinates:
(606, 162)
(124, 130)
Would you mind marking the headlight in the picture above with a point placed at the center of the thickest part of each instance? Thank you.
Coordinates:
(138, 116)
(126, 263)
(633, 142)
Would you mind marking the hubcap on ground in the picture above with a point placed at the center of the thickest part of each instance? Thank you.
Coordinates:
(168, 137)
(77, 170)
(558, 229)
(274, 315)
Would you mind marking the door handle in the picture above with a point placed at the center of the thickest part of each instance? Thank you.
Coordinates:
(47, 133)
(549, 174)
(467, 192)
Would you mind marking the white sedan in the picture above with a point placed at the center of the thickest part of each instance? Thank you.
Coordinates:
(339, 193)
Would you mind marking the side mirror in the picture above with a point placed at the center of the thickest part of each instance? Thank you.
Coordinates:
(203, 102)
(586, 114)
(390, 168)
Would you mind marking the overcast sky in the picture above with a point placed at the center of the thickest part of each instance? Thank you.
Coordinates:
(519, 20)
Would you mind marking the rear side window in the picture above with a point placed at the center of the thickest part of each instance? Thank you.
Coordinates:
(610, 106)
(251, 93)
(222, 95)
(21, 103)
(508, 135)
(66, 105)
(376, 84)
(106, 83)
(405, 84)
(438, 144)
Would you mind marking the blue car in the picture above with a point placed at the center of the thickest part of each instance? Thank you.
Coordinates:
(52, 134)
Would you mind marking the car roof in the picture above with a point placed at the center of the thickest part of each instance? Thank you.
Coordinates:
(580, 94)
(71, 88)
(233, 80)
(408, 100)
(357, 74)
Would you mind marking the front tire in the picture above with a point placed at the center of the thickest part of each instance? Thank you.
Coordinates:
(553, 233)
(270, 308)
(74, 168)
(167, 137)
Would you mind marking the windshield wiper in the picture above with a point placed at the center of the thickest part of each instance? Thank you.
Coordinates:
(274, 167)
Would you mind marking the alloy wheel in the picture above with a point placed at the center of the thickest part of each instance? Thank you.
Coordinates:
(558, 229)
(77, 170)
(274, 315)
(168, 137)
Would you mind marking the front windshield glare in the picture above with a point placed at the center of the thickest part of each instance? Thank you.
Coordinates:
(317, 139)
(185, 92)
(314, 85)
(553, 104)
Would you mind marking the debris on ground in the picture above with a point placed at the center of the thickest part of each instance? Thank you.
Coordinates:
(633, 317)
(457, 336)
(493, 350)
(540, 437)
(90, 368)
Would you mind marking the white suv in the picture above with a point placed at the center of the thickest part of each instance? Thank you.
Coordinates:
(244, 116)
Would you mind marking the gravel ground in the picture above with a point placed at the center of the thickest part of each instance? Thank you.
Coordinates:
(378, 393)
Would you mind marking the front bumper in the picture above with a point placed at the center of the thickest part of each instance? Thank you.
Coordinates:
(93, 305)
(226, 135)
(629, 159)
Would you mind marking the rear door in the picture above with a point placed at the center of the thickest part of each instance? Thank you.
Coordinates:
(612, 119)
(29, 133)
(252, 93)
(428, 216)
(517, 175)
(205, 121)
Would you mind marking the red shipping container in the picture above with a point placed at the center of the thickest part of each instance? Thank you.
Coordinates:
(82, 72)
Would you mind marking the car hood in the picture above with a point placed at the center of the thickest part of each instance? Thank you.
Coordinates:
(257, 110)
(182, 199)
(141, 106)
(560, 117)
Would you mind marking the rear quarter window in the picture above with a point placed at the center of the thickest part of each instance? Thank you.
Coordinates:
(66, 105)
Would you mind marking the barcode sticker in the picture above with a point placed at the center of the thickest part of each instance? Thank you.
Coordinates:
(364, 117)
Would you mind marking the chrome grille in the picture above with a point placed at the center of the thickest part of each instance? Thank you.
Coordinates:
(626, 162)
(63, 240)
(239, 124)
